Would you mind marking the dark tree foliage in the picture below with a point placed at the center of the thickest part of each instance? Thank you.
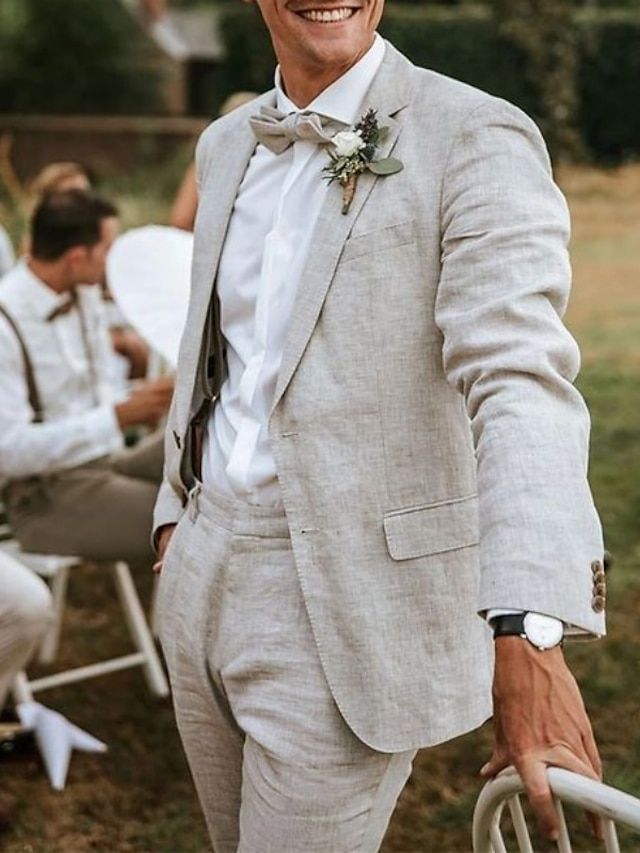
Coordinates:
(76, 56)
(547, 33)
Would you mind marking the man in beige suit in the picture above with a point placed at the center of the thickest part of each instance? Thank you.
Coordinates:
(374, 438)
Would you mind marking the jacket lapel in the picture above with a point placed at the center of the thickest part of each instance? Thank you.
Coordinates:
(229, 160)
(388, 94)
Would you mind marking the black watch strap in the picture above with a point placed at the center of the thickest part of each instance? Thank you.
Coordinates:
(509, 625)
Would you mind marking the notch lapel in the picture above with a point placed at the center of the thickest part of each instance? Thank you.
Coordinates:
(388, 94)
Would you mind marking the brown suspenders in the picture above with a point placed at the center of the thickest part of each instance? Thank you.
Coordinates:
(34, 396)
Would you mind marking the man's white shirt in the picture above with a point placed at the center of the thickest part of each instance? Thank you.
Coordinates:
(80, 424)
(266, 247)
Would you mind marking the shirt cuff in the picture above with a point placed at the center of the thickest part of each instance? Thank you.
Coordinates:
(569, 630)
(500, 611)
(105, 428)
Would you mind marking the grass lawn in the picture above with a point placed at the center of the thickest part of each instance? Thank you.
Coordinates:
(139, 797)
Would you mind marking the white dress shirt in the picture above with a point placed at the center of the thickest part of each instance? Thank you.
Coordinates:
(76, 397)
(267, 244)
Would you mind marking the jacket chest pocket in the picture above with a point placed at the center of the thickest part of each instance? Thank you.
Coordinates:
(432, 528)
(379, 240)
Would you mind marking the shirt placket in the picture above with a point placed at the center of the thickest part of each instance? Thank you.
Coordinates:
(273, 282)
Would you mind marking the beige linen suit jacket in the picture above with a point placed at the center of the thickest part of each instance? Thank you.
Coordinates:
(430, 445)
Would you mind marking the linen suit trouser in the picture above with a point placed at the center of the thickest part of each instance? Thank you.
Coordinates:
(276, 767)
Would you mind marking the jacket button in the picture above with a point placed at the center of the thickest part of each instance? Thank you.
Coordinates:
(596, 567)
(597, 603)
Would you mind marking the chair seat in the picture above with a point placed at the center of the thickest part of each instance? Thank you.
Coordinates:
(45, 565)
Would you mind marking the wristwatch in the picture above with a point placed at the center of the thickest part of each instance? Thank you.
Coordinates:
(543, 632)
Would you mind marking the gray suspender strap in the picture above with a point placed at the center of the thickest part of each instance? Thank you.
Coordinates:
(34, 396)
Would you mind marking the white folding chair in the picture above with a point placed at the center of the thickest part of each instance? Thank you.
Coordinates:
(55, 570)
(614, 806)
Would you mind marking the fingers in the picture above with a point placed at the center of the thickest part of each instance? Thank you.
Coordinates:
(563, 756)
(596, 824)
(496, 763)
(534, 778)
(591, 749)
(533, 772)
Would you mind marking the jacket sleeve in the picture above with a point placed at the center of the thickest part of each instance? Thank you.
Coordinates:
(169, 506)
(503, 290)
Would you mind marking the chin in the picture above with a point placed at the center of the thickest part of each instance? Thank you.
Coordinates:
(334, 51)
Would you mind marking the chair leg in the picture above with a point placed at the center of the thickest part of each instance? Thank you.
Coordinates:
(51, 640)
(139, 629)
(21, 689)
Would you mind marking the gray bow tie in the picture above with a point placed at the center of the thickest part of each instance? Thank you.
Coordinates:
(278, 131)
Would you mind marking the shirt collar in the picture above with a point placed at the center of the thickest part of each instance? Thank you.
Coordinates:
(343, 98)
(42, 299)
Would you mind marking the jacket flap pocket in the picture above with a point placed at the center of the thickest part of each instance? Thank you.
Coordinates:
(432, 529)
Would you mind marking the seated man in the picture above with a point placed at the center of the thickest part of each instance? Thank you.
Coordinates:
(25, 612)
(68, 484)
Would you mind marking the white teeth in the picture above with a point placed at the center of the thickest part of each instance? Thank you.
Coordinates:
(318, 16)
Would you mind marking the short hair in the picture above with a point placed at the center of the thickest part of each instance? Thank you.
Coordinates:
(63, 220)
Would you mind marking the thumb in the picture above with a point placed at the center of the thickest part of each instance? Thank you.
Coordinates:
(493, 766)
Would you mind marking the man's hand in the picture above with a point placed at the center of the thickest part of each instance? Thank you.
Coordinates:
(164, 537)
(147, 404)
(540, 721)
(130, 345)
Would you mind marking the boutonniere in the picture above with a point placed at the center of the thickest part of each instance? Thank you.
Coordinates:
(352, 152)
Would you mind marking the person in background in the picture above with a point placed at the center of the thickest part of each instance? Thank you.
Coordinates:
(69, 485)
(183, 212)
(25, 613)
(7, 255)
(57, 177)
(130, 353)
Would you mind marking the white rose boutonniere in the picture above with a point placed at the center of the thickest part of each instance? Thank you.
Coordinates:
(352, 152)
(347, 143)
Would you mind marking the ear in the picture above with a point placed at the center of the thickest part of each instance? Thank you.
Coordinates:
(75, 256)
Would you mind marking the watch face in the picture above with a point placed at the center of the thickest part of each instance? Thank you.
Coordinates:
(545, 632)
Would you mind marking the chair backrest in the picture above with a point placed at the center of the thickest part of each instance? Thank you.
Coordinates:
(614, 806)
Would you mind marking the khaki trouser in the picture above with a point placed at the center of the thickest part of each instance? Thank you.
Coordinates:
(25, 612)
(99, 511)
(276, 767)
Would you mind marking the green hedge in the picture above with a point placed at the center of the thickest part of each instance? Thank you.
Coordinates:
(465, 43)
(72, 56)
(609, 84)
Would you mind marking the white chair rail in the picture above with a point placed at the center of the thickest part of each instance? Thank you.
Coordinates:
(614, 806)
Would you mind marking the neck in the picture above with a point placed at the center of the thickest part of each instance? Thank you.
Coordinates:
(302, 84)
(303, 90)
(50, 274)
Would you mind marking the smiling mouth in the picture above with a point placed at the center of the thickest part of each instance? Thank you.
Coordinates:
(328, 16)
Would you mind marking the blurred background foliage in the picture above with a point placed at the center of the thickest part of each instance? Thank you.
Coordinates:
(574, 66)
(75, 56)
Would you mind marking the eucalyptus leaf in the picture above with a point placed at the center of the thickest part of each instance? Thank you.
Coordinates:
(388, 166)
(383, 132)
